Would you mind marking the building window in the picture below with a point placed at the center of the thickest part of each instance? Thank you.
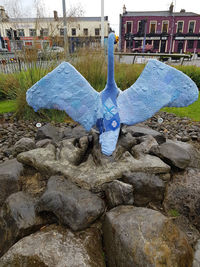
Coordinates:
(61, 32)
(141, 26)
(97, 32)
(149, 42)
(9, 33)
(85, 32)
(164, 26)
(180, 26)
(32, 32)
(129, 45)
(156, 44)
(73, 32)
(152, 27)
(20, 32)
(191, 27)
(198, 44)
(128, 26)
(45, 32)
(190, 44)
(138, 44)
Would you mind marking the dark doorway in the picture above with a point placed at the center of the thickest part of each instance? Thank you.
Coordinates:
(180, 47)
(163, 46)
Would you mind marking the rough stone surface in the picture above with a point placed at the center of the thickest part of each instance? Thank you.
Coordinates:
(9, 178)
(193, 152)
(118, 193)
(183, 195)
(33, 183)
(93, 169)
(196, 262)
(57, 246)
(75, 207)
(173, 154)
(147, 187)
(144, 237)
(147, 142)
(24, 144)
(17, 219)
(75, 132)
(43, 143)
(185, 226)
(141, 131)
(48, 131)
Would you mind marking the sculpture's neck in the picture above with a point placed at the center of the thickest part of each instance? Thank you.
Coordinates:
(110, 78)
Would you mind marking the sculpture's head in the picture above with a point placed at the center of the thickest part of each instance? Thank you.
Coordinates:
(116, 39)
(113, 38)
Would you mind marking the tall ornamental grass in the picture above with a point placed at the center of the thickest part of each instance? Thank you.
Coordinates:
(92, 65)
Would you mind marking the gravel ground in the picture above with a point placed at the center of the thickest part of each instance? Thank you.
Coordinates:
(173, 127)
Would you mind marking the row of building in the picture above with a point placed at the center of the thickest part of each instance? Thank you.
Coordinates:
(166, 31)
(16, 33)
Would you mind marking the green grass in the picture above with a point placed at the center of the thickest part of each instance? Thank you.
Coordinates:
(192, 111)
(173, 213)
(7, 106)
(93, 67)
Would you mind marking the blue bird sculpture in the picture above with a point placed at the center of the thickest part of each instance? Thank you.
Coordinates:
(158, 86)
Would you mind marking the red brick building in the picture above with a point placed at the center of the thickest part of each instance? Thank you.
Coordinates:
(167, 31)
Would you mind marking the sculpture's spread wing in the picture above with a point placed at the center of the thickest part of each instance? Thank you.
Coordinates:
(66, 89)
(158, 86)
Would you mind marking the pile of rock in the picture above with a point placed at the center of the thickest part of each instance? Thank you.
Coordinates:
(64, 203)
(176, 128)
(172, 127)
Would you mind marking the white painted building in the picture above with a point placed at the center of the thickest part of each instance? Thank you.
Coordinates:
(41, 32)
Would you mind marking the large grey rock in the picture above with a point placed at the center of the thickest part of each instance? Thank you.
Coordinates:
(75, 132)
(193, 152)
(94, 169)
(183, 195)
(43, 143)
(118, 193)
(73, 206)
(17, 219)
(57, 246)
(143, 237)
(72, 153)
(10, 172)
(49, 131)
(141, 131)
(147, 187)
(147, 142)
(24, 144)
(173, 154)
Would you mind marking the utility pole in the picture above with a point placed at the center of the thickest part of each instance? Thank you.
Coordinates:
(102, 23)
(145, 34)
(65, 27)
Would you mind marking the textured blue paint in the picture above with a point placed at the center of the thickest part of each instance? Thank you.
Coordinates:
(66, 89)
(158, 86)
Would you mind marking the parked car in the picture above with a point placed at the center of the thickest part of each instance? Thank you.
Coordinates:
(147, 49)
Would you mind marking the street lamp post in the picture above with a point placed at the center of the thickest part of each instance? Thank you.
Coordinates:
(65, 26)
(102, 23)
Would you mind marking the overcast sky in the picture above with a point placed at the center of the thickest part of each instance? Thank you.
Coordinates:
(112, 7)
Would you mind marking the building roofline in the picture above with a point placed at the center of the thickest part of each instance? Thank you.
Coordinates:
(158, 13)
(59, 18)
